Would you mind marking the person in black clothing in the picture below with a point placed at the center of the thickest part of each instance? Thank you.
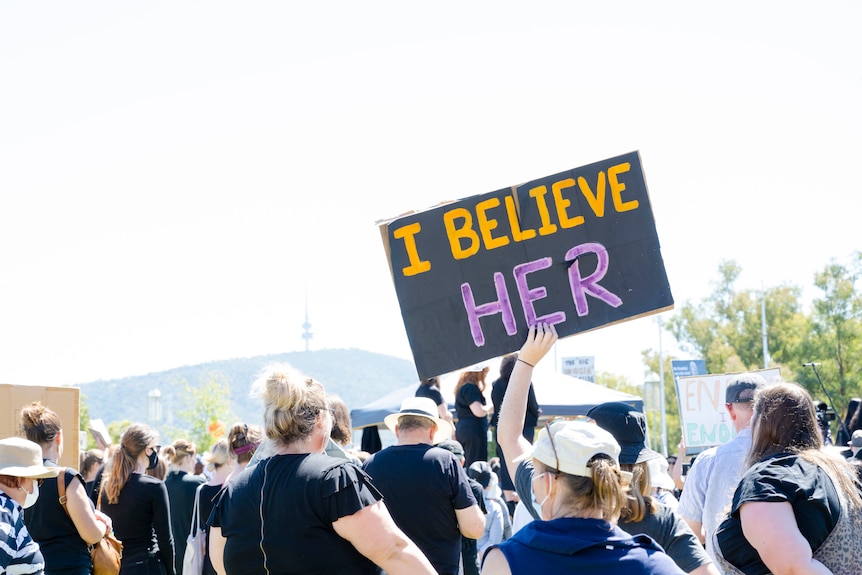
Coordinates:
(63, 532)
(220, 464)
(469, 549)
(182, 487)
(138, 505)
(472, 411)
(300, 510)
(90, 463)
(531, 419)
(430, 388)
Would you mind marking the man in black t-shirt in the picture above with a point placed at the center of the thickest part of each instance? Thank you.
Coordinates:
(424, 487)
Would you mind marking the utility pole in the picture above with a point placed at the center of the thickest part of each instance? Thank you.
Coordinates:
(661, 390)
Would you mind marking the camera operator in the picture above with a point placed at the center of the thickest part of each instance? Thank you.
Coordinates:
(825, 416)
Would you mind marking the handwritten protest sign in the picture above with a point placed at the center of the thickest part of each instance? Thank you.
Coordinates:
(576, 249)
(703, 416)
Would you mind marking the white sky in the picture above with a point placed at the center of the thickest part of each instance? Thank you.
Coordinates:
(176, 177)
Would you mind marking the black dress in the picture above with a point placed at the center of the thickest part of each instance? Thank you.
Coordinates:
(181, 488)
(471, 431)
(208, 495)
(52, 528)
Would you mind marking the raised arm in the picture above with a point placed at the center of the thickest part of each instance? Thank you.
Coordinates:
(540, 339)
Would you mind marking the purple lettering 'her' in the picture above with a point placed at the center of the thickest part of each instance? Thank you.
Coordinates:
(502, 306)
(581, 286)
(528, 296)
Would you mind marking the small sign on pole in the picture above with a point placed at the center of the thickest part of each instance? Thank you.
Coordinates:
(582, 367)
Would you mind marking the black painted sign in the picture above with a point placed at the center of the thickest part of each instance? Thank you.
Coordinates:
(578, 249)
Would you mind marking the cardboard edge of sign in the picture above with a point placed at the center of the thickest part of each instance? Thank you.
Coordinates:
(383, 227)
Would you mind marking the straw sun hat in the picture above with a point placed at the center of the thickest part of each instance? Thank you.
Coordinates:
(22, 458)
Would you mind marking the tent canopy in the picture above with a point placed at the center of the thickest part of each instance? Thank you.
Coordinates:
(558, 395)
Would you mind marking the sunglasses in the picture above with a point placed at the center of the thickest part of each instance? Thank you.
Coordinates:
(550, 422)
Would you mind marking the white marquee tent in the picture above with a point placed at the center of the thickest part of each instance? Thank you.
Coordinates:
(558, 395)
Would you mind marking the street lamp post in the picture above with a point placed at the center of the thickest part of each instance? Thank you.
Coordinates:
(154, 407)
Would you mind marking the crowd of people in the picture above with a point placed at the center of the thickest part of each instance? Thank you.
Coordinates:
(584, 494)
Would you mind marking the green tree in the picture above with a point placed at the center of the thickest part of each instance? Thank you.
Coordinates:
(206, 408)
(725, 329)
(835, 339)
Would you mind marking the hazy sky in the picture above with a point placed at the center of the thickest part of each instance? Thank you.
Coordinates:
(177, 178)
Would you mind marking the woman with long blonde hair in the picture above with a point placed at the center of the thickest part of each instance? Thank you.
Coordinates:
(138, 505)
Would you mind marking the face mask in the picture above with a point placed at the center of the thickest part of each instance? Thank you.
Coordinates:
(153, 459)
(31, 498)
(537, 505)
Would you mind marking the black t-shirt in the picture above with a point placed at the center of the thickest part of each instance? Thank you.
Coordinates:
(205, 507)
(142, 520)
(432, 392)
(52, 528)
(302, 496)
(531, 416)
(422, 487)
(784, 477)
(465, 397)
(181, 488)
(673, 534)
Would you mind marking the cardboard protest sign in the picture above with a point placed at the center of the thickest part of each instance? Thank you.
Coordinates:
(702, 413)
(577, 249)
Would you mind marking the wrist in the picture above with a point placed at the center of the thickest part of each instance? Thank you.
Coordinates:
(527, 363)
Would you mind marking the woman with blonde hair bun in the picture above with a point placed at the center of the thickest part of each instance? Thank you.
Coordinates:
(182, 486)
(300, 510)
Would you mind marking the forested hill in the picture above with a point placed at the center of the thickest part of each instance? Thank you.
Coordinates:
(357, 376)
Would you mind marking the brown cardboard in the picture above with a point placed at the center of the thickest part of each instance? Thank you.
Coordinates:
(64, 401)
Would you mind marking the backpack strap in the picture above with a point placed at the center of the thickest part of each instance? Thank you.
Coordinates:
(61, 489)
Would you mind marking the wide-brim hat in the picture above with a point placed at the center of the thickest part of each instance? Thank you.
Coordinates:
(571, 446)
(628, 426)
(423, 407)
(20, 457)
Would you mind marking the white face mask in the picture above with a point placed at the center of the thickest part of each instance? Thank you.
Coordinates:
(31, 498)
(536, 504)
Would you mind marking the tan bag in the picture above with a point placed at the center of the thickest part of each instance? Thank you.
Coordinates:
(108, 552)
